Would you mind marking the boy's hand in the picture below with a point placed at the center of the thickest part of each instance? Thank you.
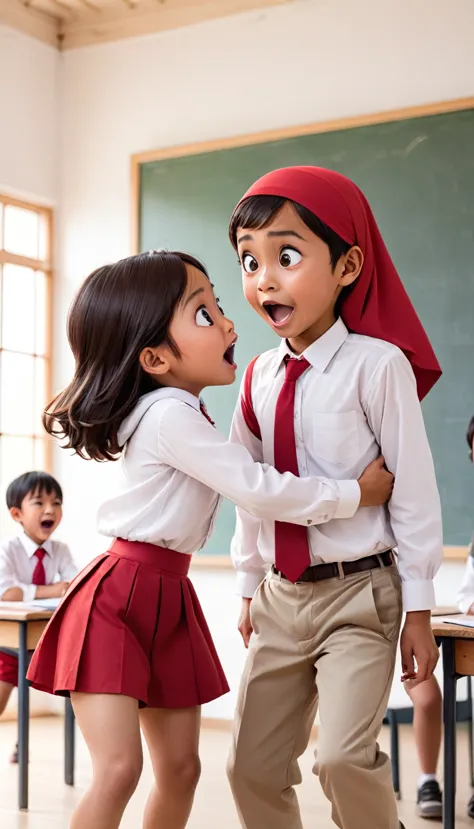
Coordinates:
(52, 591)
(245, 625)
(417, 645)
(376, 484)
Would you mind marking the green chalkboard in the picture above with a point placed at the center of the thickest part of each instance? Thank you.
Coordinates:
(418, 175)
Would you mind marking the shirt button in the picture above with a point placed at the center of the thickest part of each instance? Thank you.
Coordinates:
(309, 521)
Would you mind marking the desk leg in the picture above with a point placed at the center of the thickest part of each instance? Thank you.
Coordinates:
(23, 718)
(69, 744)
(449, 706)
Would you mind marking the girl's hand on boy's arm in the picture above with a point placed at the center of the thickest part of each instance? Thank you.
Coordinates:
(245, 625)
(418, 648)
(376, 484)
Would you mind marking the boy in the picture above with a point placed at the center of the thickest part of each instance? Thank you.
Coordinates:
(31, 563)
(326, 617)
(427, 704)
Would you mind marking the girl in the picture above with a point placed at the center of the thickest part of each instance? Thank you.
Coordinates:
(129, 641)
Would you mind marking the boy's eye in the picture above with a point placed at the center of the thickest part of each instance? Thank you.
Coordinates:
(289, 257)
(203, 317)
(218, 303)
(249, 263)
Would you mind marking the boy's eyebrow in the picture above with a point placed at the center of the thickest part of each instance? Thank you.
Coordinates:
(249, 238)
(285, 233)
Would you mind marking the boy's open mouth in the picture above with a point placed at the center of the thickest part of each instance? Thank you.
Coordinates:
(229, 355)
(47, 524)
(279, 314)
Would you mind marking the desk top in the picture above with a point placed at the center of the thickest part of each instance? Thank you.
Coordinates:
(446, 630)
(20, 612)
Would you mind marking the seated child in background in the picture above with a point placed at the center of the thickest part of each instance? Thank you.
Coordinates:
(427, 704)
(30, 563)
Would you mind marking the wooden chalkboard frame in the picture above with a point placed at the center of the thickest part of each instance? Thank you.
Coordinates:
(141, 158)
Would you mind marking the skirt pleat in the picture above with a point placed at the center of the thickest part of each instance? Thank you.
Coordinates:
(131, 624)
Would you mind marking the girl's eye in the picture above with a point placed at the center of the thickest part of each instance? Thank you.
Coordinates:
(249, 263)
(203, 317)
(218, 303)
(289, 257)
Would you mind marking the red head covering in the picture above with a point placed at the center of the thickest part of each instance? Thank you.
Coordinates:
(378, 304)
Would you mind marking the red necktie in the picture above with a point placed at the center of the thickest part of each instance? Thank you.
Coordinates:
(205, 413)
(39, 573)
(292, 555)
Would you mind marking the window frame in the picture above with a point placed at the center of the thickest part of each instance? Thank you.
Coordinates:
(46, 267)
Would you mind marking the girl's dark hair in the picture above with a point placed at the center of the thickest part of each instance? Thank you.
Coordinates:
(258, 211)
(470, 436)
(32, 483)
(119, 310)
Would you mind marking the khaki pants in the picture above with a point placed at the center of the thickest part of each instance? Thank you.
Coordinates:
(329, 645)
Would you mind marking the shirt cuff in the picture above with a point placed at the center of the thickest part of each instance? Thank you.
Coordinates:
(418, 595)
(349, 499)
(29, 592)
(247, 584)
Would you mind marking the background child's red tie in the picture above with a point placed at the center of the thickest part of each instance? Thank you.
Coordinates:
(292, 554)
(39, 573)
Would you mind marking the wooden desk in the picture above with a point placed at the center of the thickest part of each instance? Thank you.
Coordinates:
(457, 644)
(21, 629)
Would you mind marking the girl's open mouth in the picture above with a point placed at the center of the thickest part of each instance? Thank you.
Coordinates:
(229, 355)
(279, 314)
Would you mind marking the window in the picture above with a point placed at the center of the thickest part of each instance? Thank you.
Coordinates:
(25, 341)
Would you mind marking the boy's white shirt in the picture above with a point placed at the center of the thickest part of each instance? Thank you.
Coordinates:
(18, 562)
(358, 398)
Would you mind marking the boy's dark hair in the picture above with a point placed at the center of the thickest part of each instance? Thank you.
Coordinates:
(258, 211)
(32, 483)
(119, 310)
(470, 436)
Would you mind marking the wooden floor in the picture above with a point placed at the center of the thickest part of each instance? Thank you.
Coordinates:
(51, 802)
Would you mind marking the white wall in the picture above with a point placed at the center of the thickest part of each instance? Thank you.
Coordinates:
(28, 117)
(28, 142)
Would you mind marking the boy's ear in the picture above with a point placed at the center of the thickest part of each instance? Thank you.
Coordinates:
(350, 266)
(15, 513)
(155, 361)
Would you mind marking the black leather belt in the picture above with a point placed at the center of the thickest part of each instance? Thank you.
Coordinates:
(319, 572)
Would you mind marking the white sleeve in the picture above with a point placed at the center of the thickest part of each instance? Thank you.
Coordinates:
(394, 414)
(247, 560)
(188, 442)
(465, 598)
(9, 578)
(66, 565)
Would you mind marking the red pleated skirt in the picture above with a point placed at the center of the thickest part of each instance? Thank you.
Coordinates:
(8, 668)
(131, 624)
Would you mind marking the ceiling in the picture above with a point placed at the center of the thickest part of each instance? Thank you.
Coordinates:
(69, 24)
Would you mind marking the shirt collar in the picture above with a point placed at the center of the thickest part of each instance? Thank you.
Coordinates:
(31, 546)
(320, 353)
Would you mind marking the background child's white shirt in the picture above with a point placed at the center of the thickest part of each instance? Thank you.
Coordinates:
(465, 598)
(358, 397)
(176, 464)
(18, 562)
